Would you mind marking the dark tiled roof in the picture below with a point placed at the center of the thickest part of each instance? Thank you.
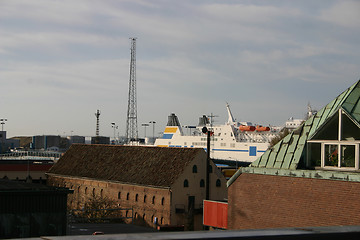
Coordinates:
(154, 166)
(287, 153)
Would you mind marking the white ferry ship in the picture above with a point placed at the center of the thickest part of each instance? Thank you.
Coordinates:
(232, 141)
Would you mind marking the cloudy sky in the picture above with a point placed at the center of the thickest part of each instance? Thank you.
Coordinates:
(60, 61)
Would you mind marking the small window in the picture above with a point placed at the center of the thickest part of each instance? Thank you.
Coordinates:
(218, 183)
(194, 169)
(101, 192)
(93, 191)
(162, 220)
(186, 183)
(162, 201)
(144, 216)
(202, 183)
(136, 197)
(119, 195)
(145, 199)
(153, 200)
(127, 196)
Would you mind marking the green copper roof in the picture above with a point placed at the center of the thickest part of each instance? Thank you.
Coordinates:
(290, 151)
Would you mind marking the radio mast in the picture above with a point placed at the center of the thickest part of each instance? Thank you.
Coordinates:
(131, 121)
(97, 115)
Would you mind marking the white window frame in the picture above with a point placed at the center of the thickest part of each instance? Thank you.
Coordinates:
(339, 143)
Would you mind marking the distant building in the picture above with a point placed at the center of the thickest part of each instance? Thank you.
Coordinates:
(7, 144)
(164, 186)
(46, 142)
(100, 140)
(76, 139)
(310, 178)
(31, 210)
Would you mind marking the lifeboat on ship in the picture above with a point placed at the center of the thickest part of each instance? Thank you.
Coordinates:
(247, 128)
(262, 129)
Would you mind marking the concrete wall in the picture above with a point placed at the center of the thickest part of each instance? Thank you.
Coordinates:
(266, 201)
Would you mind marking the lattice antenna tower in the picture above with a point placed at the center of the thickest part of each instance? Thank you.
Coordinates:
(131, 121)
(97, 115)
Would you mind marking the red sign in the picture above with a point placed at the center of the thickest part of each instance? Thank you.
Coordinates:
(215, 214)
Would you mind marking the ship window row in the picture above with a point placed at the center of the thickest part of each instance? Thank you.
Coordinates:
(199, 143)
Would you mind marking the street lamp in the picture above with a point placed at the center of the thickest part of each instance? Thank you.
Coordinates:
(2, 122)
(153, 123)
(114, 126)
(145, 125)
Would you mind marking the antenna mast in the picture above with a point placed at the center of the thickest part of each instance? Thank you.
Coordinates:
(131, 121)
(97, 115)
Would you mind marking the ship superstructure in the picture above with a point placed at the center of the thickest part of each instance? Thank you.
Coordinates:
(234, 141)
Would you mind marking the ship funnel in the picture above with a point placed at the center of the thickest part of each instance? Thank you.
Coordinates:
(173, 120)
(203, 120)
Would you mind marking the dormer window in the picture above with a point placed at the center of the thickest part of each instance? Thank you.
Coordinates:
(336, 144)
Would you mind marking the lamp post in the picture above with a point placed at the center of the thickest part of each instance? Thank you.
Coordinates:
(145, 125)
(207, 189)
(153, 123)
(2, 121)
(114, 126)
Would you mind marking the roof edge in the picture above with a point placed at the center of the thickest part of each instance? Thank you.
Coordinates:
(234, 177)
(104, 180)
(301, 173)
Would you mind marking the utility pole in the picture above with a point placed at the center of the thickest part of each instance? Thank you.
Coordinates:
(207, 184)
(131, 121)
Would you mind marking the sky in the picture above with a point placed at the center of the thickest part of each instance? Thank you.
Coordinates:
(62, 60)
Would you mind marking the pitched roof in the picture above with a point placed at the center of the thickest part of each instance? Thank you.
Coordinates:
(154, 166)
(289, 152)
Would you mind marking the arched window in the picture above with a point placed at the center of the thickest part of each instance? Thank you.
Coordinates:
(202, 183)
(186, 183)
(119, 195)
(101, 192)
(162, 201)
(127, 196)
(194, 169)
(218, 183)
(144, 198)
(153, 200)
(78, 189)
(162, 220)
(93, 191)
(136, 197)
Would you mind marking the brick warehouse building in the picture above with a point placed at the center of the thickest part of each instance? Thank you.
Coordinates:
(163, 183)
(310, 178)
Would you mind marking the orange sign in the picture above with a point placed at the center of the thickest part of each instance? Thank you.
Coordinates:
(215, 214)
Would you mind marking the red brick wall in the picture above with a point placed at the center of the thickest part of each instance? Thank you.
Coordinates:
(159, 209)
(264, 201)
